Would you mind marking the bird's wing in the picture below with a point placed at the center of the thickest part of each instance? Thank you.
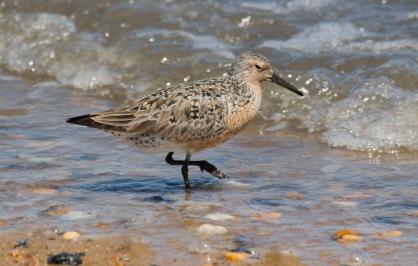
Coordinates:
(186, 111)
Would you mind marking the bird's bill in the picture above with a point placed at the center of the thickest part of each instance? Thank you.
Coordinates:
(275, 78)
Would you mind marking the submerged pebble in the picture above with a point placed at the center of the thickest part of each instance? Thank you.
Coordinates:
(79, 215)
(195, 206)
(346, 203)
(243, 245)
(44, 191)
(102, 226)
(413, 213)
(347, 236)
(279, 258)
(350, 238)
(71, 235)
(294, 195)
(234, 183)
(56, 210)
(387, 234)
(358, 196)
(267, 216)
(208, 229)
(158, 199)
(219, 216)
(200, 247)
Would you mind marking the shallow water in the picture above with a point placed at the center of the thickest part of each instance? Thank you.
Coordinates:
(349, 147)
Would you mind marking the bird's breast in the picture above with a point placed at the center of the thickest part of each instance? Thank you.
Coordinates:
(243, 108)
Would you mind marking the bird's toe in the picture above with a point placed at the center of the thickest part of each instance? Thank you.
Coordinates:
(219, 174)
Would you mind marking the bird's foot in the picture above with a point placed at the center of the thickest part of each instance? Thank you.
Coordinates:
(206, 166)
(219, 174)
(210, 168)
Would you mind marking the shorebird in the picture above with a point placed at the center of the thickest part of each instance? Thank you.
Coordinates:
(192, 116)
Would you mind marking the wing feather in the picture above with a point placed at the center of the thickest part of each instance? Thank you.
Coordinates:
(186, 111)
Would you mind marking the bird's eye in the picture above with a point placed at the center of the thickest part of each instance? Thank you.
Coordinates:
(258, 67)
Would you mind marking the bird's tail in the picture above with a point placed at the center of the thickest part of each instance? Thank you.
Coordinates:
(84, 120)
(110, 120)
(88, 121)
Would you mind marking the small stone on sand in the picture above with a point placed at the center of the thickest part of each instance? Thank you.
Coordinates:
(219, 216)
(267, 216)
(21, 243)
(235, 256)
(117, 261)
(66, 258)
(70, 235)
(23, 258)
(208, 229)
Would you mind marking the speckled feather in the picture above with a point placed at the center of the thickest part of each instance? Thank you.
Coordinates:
(190, 116)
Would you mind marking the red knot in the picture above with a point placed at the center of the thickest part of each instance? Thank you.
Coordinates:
(192, 116)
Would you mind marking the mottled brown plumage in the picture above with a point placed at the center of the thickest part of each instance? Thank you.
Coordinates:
(195, 115)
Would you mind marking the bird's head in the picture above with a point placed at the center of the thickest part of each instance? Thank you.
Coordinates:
(254, 68)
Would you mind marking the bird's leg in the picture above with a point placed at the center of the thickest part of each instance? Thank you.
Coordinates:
(169, 159)
(204, 166)
(184, 169)
(208, 167)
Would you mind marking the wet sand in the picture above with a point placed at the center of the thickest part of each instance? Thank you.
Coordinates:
(115, 251)
(120, 250)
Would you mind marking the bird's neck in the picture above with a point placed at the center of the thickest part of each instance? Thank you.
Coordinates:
(250, 88)
(255, 90)
(249, 97)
